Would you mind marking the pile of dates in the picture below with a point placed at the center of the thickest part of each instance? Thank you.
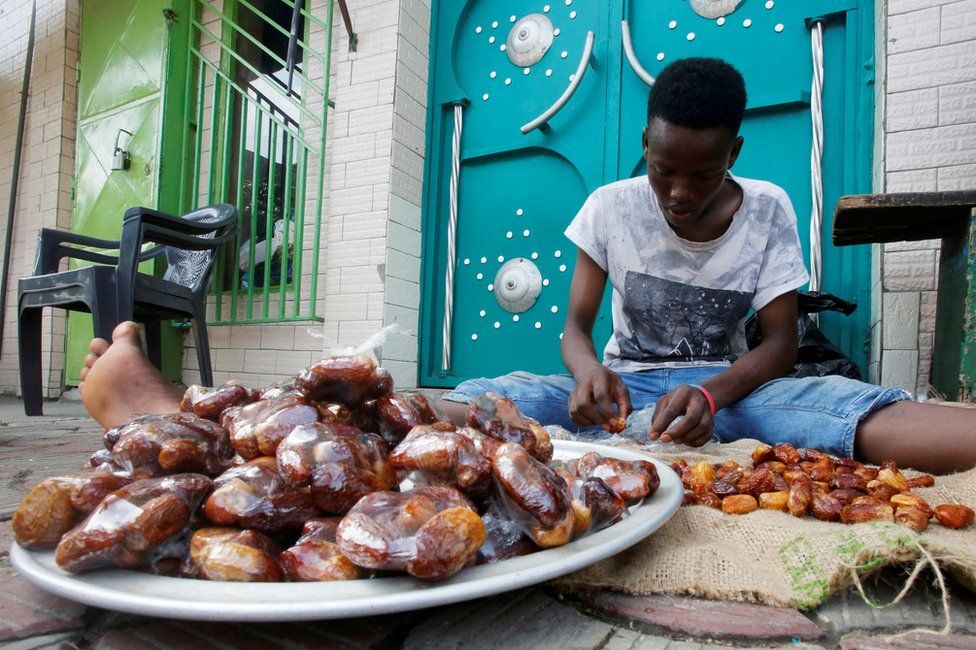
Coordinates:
(809, 482)
(329, 476)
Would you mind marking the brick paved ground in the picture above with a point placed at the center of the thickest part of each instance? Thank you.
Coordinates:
(30, 619)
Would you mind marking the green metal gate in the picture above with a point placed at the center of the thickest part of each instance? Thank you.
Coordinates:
(216, 101)
(256, 92)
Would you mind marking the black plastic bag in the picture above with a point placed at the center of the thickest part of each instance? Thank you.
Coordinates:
(817, 356)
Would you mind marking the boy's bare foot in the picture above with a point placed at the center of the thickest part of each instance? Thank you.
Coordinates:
(118, 382)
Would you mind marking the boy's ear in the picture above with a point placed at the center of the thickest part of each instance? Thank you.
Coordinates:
(736, 148)
(644, 141)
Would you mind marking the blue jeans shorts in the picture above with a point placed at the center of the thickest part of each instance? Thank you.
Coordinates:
(817, 412)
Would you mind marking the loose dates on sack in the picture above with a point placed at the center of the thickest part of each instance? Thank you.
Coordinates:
(809, 482)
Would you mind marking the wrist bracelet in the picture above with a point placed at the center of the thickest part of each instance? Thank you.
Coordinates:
(708, 397)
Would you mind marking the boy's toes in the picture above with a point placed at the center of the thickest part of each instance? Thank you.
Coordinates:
(98, 347)
(125, 330)
(128, 333)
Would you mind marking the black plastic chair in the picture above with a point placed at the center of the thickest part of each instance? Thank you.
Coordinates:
(114, 290)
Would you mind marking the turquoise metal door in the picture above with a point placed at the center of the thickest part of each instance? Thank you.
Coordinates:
(518, 191)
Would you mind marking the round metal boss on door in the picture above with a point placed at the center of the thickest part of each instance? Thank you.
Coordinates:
(529, 40)
(714, 8)
(517, 285)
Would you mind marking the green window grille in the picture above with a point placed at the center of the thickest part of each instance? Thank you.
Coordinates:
(257, 87)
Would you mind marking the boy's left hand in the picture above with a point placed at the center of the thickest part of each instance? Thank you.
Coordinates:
(695, 426)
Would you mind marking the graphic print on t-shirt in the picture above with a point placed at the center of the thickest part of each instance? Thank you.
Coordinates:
(673, 321)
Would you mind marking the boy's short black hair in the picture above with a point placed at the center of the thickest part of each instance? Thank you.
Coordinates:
(698, 93)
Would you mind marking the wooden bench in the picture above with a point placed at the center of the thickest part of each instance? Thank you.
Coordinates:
(914, 216)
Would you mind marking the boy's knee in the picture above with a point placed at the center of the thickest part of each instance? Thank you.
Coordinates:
(471, 388)
(517, 386)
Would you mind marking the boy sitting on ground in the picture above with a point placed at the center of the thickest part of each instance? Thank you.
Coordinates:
(690, 249)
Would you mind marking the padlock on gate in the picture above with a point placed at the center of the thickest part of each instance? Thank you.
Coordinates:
(120, 157)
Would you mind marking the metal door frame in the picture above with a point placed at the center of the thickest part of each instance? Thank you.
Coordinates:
(168, 145)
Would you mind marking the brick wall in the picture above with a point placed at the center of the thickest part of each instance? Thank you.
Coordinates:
(929, 144)
(47, 159)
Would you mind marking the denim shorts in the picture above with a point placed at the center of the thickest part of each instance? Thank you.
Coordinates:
(816, 412)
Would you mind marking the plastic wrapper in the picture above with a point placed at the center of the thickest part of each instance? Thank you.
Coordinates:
(638, 430)
(332, 348)
(632, 480)
(484, 445)
(102, 458)
(340, 463)
(635, 434)
(330, 412)
(282, 390)
(533, 495)
(253, 495)
(316, 557)
(639, 426)
(232, 555)
(348, 380)
(135, 526)
(498, 417)
(429, 532)
(153, 445)
(323, 528)
(394, 415)
(566, 469)
(54, 507)
(437, 454)
(350, 376)
(504, 538)
(595, 504)
(256, 429)
(817, 356)
(210, 403)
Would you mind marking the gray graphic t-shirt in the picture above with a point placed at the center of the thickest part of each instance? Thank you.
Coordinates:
(678, 302)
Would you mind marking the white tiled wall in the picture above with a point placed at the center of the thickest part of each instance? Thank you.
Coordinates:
(46, 164)
(929, 144)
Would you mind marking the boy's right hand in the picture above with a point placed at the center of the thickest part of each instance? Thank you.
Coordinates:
(600, 395)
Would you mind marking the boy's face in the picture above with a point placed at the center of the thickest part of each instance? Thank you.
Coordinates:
(686, 168)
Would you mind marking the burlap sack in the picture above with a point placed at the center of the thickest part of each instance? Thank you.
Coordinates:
(774, 558)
